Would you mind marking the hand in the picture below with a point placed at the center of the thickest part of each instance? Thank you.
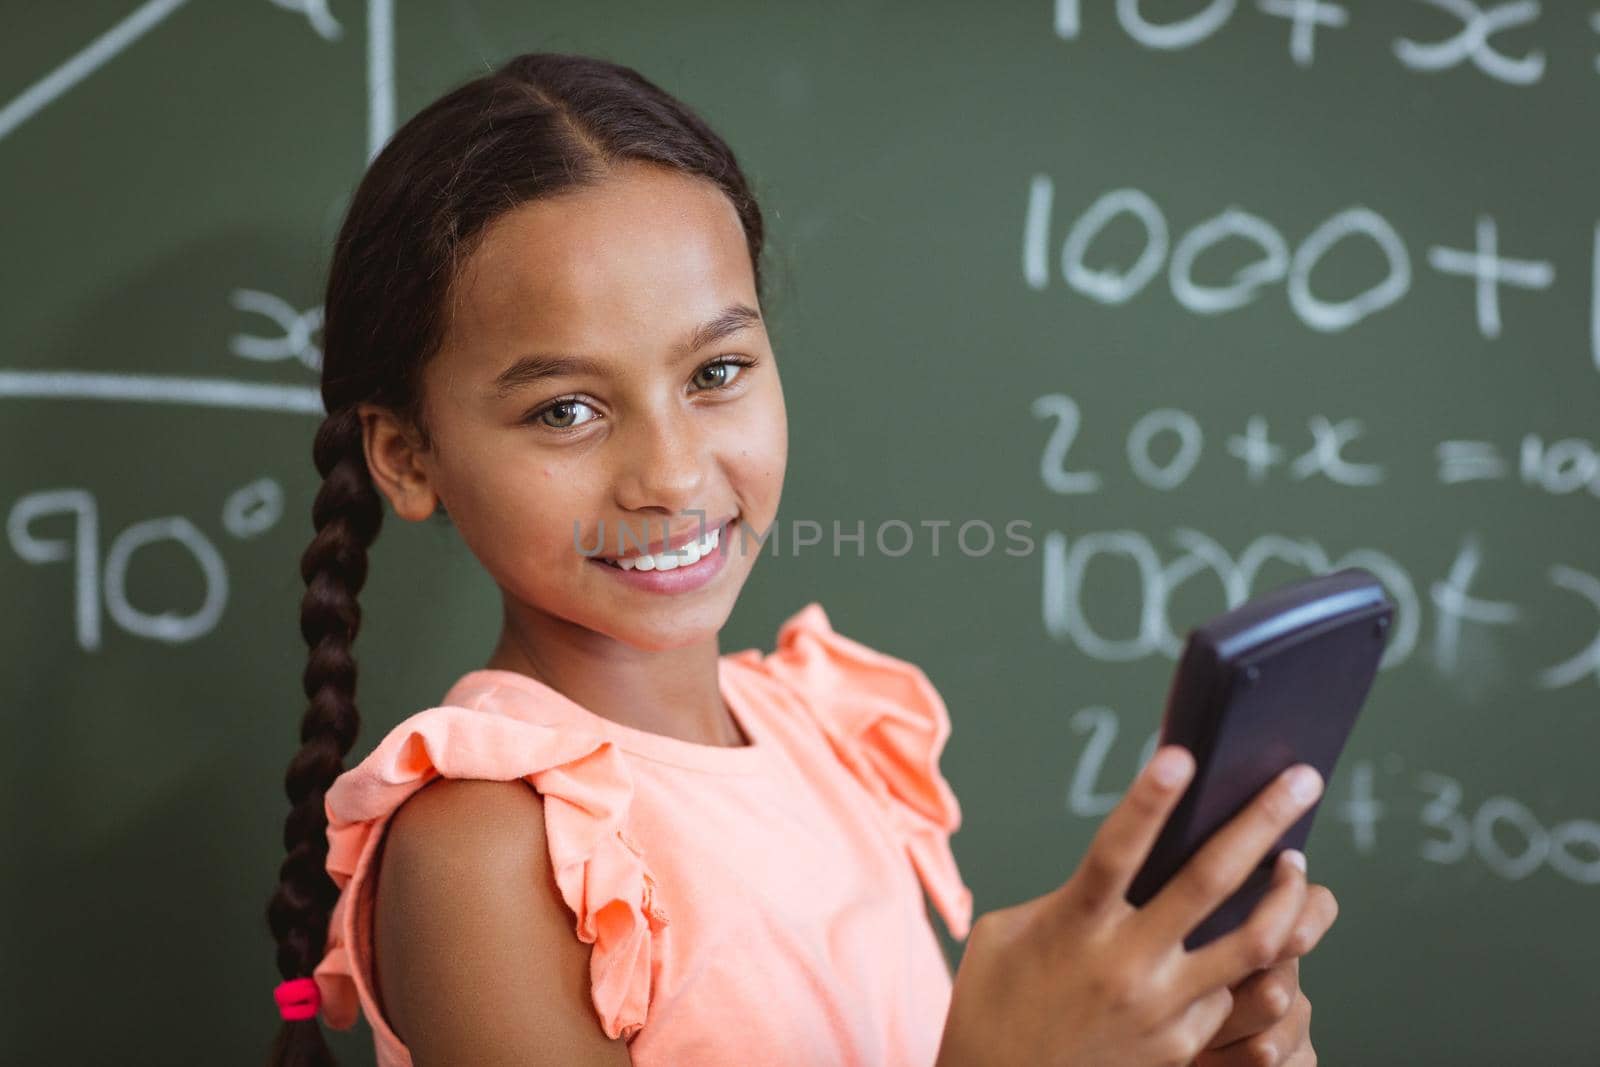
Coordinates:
(1270, 1024)
(1080, 976)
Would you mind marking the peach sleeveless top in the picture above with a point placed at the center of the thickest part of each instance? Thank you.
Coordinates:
(752, 904)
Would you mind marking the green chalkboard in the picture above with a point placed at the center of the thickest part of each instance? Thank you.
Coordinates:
(1177, 300)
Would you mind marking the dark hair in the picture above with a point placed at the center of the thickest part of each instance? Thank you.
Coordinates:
(540, 124)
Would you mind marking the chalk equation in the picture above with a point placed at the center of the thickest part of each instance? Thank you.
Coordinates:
(1153, 579)
(1164, 446)
(1449, 33)
(1483, 265)
(1446, 827)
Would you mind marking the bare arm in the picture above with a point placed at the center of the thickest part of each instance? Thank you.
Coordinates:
(477, 959)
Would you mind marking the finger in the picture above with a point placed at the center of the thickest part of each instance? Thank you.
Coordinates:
(1260, 1002)
(1221, 865)
(1123, 841)
(1281, 1045)
(1194, 1027)
(1257, 942)
(1316, 917)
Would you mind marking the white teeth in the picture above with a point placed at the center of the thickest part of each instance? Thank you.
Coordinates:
(686, 556)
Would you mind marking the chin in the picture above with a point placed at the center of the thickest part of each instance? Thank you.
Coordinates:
(669, 625)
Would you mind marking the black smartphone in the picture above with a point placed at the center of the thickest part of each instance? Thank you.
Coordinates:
(1276, 681)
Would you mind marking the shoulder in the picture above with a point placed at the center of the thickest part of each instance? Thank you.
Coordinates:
(496, 825)
(475, 948)
(499, 822)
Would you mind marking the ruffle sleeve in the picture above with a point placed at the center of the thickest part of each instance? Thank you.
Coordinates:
(599, 869)
(888, 725)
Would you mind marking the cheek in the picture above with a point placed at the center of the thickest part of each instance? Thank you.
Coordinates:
(764, 446)
(763, 456)
(521, 512)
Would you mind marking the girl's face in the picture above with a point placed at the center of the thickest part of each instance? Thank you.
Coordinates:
(664, 414)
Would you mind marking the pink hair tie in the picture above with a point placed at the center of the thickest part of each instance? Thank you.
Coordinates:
(298, 998)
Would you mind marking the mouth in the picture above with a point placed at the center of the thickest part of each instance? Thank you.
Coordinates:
(688, 553)
(679, 572)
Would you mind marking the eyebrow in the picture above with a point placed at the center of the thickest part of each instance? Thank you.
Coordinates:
(536, 368)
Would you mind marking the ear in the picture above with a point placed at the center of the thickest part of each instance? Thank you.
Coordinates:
(394, 456)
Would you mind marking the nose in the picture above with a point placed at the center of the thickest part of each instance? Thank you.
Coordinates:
(662, 465)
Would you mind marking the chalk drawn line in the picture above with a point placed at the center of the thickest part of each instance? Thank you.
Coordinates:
(106, 47)
(162, 389)
(99, 52)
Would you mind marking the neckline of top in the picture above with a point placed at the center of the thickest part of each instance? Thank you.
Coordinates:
(723, 759)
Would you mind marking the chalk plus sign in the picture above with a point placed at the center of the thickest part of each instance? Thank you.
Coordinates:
(1491, 271)
(1306, 15)
(1257, 451)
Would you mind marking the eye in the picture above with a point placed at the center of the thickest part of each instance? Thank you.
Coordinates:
(726, 370)
(562, 408)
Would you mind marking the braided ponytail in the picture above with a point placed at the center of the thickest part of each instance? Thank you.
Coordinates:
(347, 516)
(540, 124)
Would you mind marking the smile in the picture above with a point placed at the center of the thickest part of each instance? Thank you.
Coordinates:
(685, 568)
(684, 556)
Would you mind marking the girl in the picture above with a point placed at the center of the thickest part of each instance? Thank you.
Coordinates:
(613, 844)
